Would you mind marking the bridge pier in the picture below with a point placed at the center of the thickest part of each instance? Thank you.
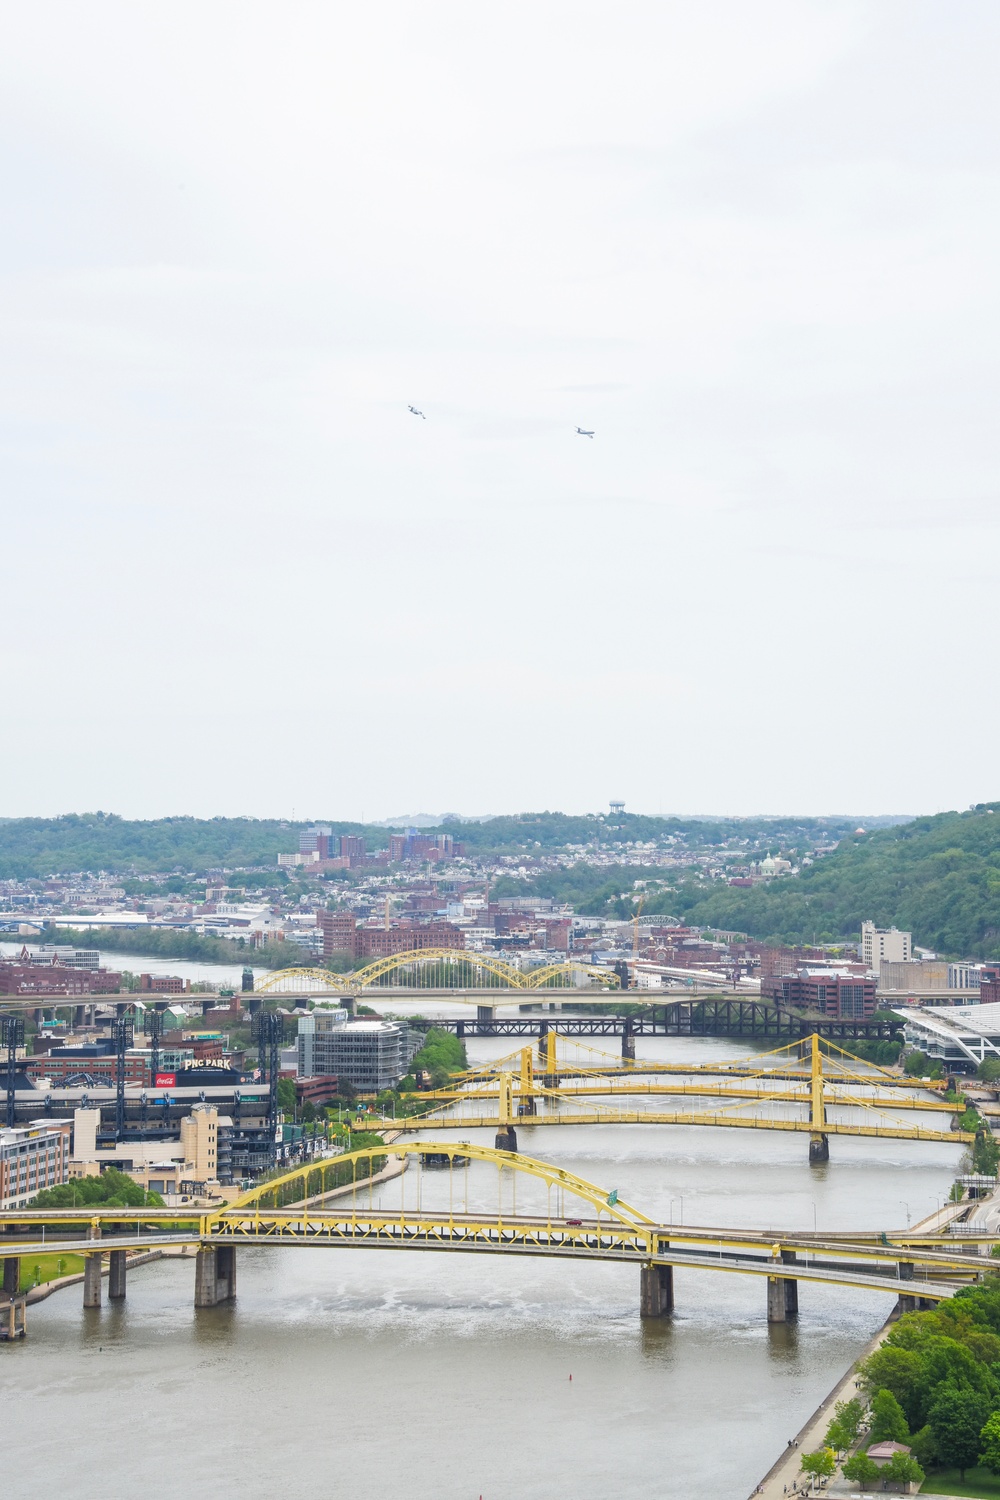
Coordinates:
(506, 1138)
(656, 1291)
(628, 1043)
(819, 1149)
(116, 1275)
(782, 1294)
(12, 1318)
(92, 1284)
(485, 1015)
(214, 1275)
(11, 1275)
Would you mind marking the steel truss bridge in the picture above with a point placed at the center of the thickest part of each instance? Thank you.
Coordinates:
(541, 1091)
(566, 1218)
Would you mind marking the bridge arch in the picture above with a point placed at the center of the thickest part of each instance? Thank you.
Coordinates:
(279, 980)
(297, 1181)
(503, 974)
(536, 979)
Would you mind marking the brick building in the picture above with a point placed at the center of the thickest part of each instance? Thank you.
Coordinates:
(842, 997)
(54, 979)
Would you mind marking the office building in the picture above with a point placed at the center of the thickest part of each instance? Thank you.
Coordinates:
(884, 943)
(371, 1055)
(33, 1157)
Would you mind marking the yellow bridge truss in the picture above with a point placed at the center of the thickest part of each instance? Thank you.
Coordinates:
(503, 975)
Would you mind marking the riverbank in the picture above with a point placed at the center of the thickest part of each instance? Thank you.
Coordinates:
(785, 1477)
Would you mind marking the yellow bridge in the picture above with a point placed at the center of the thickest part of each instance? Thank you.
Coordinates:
(439, 968)
(323, 1205)
(541, 1091)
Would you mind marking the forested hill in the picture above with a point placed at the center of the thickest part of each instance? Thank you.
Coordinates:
(939, 877)
(103, 841)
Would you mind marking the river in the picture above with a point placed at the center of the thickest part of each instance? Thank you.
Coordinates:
(363, 1373)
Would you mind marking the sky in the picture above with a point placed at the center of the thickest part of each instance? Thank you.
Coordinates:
(752, 247)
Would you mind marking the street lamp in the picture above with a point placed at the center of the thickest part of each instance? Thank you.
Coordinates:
(907, 1207)
(672, 1202)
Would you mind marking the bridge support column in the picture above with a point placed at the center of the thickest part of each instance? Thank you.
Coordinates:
(628, 1043)
(12, 1318)
(485, 1015)
(819, 1149)
(11, 1275)
(350, 1004)
(92, 1285)
(214, 1275)
(656, 1291)
(783, 1293)
(116, 1275)
(506, 1138)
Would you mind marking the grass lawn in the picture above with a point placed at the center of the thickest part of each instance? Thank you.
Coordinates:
(39, 1268)
(980, 1484)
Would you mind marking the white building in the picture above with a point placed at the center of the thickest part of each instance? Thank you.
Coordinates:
(884, 943)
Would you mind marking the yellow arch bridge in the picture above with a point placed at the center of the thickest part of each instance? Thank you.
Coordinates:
(322, 1204)
(437, 968)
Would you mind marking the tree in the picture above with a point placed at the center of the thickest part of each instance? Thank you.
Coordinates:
(956, 1419)
(821, 1463)
(837, 1437)
(903, 1469)
(862, 1471)
(889, 1422)
(900, 1371)
(923, 1447)
(286, 1095)
(989, 1439)
(849, 1415)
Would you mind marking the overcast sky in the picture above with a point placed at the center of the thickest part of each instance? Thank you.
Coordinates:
(754, 246)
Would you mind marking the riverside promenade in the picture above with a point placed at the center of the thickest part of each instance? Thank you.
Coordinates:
(785, 1478)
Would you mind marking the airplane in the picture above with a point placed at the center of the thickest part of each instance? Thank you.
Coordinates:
(415, 412)
(581, 430)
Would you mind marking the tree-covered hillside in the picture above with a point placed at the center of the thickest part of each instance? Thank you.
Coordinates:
(36, 847)
(102, 841)
(937, 876)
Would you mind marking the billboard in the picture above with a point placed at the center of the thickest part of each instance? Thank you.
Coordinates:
(165, 1081)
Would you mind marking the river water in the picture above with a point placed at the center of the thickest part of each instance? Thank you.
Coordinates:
(366, 1373)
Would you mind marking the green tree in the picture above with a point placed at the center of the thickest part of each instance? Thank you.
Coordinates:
(821, 1463)
(989, 1441)
(923, 1446)
(889, 1422)
(112, 1189)
(862, 1471)
(286, 1095)
(849, 1415)
(903, 1469)
(836, 1437)
(956, 1418)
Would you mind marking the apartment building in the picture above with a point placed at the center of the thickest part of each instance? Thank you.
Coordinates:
(33, 1157)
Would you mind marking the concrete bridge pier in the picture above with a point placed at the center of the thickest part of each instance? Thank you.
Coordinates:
(656, 1291)
(628, 1043)
(819, 1149)
(12, 1318)
(782, 1294)
(116, 1275)
(11, 1275)
(506, 1138)
(486, 1015)
(214, 1275)
(92, 1284)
